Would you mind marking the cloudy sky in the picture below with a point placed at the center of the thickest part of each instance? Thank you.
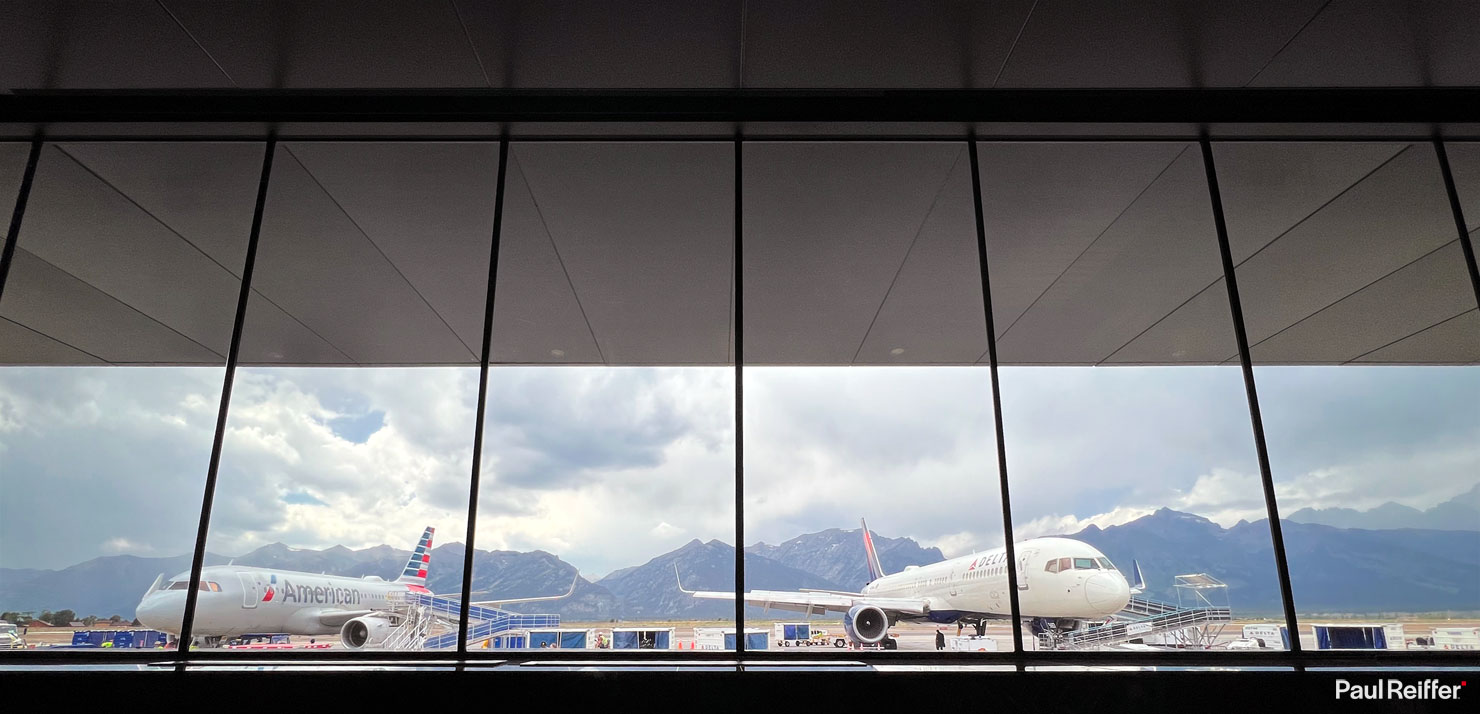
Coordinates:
(608, 467)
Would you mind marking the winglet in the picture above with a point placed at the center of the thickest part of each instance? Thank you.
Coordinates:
(679, 581)
(1138, 585)
(875, 571)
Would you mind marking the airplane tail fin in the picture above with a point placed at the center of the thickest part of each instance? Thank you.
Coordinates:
(416, 567)
(1138, 585)
(875, 571)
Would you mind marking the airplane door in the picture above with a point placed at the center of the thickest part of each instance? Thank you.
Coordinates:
(250, 595)
(1023, 569)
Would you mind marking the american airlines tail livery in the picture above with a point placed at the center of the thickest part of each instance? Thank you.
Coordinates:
(236, 600)
(1062, 583)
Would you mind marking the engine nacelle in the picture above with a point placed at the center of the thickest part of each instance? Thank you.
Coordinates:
(366, 631)
(866, 624)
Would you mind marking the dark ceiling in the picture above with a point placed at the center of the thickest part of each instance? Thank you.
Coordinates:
(683, 44)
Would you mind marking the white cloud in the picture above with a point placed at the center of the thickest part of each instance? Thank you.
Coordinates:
(609, 467)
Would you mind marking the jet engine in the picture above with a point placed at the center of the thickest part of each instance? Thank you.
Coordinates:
(866, 624)
(366, 631)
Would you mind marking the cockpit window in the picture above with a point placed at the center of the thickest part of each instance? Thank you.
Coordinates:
(1105, 563)
(1085, 564)
(204, 585)
(1066, 564)
(1052, 567)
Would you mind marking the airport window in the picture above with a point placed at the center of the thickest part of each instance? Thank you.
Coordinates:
(346, 462)
(863, 314)
(115, 323)
(1126, 427)
(606, 502)
(1364, 334)
(608, 472)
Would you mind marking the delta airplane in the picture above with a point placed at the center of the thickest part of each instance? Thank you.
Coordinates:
(237, 600)
(1062, 584)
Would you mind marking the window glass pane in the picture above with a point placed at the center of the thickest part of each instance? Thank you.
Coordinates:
(868, 397)
(1127, 430)
(346, 464)
(1364, 332)
(608, 460)
(114, 328)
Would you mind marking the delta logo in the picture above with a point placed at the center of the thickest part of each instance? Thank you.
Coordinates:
(1389, 689)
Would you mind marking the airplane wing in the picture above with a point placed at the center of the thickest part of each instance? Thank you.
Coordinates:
(337, 618)
(516, 600)
(815, 602)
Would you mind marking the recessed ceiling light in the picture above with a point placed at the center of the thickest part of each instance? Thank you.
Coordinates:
(558, 353)
(897, 351)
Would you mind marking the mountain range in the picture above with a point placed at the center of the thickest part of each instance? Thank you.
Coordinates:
(1332, 569)
(1461, 513)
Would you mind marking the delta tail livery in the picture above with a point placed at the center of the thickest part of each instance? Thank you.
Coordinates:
(236, 600)
(1062, 583)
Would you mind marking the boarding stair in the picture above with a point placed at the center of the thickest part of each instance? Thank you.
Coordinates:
(418, 615)
(1195, 621)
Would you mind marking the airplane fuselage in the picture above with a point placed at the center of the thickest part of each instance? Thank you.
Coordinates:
(235, 600)
(977, 586)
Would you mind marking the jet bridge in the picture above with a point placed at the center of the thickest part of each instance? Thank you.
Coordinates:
(1195, 621)
(426, 619)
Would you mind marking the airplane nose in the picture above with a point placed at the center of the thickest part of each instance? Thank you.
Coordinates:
(1107, 593)
(161, 611)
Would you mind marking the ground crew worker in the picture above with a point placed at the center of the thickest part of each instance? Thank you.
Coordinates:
(940, 639)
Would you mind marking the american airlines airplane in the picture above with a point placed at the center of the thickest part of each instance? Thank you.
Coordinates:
(237, 599)
(1062, 583)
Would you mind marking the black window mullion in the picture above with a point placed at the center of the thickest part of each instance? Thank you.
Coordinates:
(1459, 218)
(498, 218)
(19, 212)
(1235, 306)
(981, 250)
(739, 411)
(197, 560)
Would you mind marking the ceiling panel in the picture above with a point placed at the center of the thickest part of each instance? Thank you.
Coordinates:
(536, 317)
(1395, 216)
(84, 44)
(427, 206)
(827, 227)
(1268, 188)
(620, 44)
(1426, 292)
(874, 43)
(1151, 43)
(316, 265)
(1464, 163)
(1197, 332)
(322, 44)
(12, 170)
(80, 224)
(1156, 255)
(645, 233)
(1382, 43)
(1453, 341)
(203, 191)
(933, 313)
(46, 299)
(1044, 204)
(21, 345)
